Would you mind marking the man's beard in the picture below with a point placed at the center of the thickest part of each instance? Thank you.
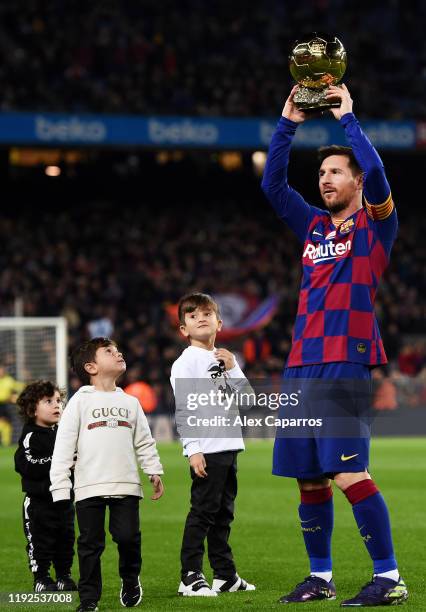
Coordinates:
(336, 207)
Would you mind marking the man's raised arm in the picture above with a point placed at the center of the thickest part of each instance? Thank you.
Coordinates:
(376, 189)
(287, 203)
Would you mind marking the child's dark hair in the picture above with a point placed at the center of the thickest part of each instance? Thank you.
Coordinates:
(192, 301)
(85, 353)
(31, 396)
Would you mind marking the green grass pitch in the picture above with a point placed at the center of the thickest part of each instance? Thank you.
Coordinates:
(266, 538)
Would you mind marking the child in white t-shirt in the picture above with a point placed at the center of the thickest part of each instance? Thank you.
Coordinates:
(213, 460)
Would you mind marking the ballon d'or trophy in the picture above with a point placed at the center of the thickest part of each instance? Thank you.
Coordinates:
(316, 61)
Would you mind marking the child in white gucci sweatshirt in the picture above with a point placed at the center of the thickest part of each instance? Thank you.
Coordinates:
(109, 432)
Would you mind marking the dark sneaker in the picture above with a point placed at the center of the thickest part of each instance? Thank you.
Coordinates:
(130, 594)
(194, 584)
(45, 585)
(312, 588)
(88, 606)
(379, 592)
(230, 585)
(66, 583)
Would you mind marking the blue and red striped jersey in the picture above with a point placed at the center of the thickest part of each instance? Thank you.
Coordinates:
(342, 265)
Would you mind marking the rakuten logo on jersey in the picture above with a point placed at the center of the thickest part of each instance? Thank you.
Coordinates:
(327, 251)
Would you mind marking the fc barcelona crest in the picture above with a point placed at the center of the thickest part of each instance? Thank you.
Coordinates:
(346, 227)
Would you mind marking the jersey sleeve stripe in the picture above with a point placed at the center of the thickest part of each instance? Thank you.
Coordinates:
(379, 212)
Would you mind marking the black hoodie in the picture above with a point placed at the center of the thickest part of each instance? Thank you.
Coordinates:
(33, 459)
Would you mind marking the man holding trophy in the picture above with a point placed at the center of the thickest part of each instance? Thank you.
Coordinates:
(346, 248)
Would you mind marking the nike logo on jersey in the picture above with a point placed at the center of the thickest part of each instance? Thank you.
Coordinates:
(344, 458)
(309, 520)
(315, 233)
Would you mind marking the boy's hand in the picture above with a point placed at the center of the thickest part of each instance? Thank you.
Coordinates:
(227, 357)
(157, 485)
(198, 464)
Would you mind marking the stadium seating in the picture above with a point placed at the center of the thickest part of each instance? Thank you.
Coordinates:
(174, 58)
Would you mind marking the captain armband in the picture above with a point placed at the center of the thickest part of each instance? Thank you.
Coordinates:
(379, 212)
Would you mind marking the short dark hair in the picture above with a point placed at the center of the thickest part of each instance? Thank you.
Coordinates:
(324, 152)
(32, 394)
(86, 353)
(192, 301)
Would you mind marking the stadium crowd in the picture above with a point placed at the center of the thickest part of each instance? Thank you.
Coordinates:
(120, 281)
(173, 58)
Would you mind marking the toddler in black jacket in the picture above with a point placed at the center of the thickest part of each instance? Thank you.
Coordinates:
(48, 527)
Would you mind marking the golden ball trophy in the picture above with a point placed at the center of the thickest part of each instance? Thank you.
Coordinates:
(316, 61)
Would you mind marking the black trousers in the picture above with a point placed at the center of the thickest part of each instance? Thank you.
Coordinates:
(49, 530)
(210, 516)
(125, 530)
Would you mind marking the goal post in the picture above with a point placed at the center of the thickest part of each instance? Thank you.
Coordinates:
(33, 348)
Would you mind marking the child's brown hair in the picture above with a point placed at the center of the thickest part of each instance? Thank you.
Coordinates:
(31, 396)
(85, 353)
(192, 301)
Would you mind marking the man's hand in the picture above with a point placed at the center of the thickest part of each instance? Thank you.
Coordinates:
(198, 464)
(290, 110)
(227, 357)
(157, 486)
(346, 102)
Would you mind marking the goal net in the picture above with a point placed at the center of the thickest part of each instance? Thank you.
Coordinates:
(33, 348)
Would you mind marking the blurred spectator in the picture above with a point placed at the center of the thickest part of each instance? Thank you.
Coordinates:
(256, 348)
(9, 391)
(411, 359)
(103, 325)
(384, 391)
(202, 58)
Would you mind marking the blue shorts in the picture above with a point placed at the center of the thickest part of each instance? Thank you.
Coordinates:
(318, 456)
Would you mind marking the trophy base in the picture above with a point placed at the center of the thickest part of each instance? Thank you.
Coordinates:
(307, 99)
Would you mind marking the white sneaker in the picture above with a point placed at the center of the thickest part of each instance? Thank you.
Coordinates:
(194, 584)
(230, 585)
